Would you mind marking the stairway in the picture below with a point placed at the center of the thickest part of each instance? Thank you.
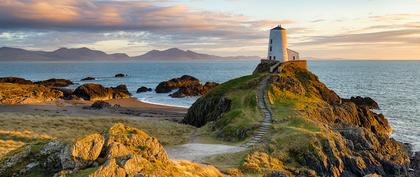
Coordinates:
(267, 113)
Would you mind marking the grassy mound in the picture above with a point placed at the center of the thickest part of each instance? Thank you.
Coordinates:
(230, 110)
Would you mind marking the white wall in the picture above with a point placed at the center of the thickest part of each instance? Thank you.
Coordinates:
(278, 44)
(293, 55)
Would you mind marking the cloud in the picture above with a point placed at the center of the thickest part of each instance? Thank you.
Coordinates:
(89, 15)
(403, 36)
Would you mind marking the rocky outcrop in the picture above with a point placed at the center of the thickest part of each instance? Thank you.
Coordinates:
(15, 80)
(415, 165)
(94, 92)
(194, 90)
(88, 79)
(337, 137)
(55, 82)
(120, 75)
(144, 89)
(122, 151)
(27, 93)
(363, 101)
(170, 85)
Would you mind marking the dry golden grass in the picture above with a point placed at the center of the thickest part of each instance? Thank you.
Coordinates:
(19, 128)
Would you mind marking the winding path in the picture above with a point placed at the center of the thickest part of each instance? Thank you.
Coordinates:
(267, 113)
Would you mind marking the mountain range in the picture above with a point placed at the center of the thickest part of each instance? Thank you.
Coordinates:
(86, 54)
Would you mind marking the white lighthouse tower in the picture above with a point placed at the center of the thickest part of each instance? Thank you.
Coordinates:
(277, 46)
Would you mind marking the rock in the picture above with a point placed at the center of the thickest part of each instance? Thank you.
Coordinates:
(15, 80)
(101, 105)
(120, 75)
(415, 165)
(363, 101)
(27, 93)
(121, 151)
(215, 106)
(143, 89)
(95, 92)
(88, 79)
(184, 81)
(194, 90)
(87, 149)
(55, 82)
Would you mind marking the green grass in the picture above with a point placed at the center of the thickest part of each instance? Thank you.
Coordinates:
(243, 117)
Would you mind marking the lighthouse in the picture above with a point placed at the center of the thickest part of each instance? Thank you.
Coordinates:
(277, 47)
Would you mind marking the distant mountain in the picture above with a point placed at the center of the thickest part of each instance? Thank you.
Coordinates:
(178, 54)
(62, 54)
(86, 54)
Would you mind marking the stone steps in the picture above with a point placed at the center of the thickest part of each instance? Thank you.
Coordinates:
(267, 121)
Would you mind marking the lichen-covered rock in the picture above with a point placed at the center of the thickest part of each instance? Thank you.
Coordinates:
(88, 148)
(15, 80)
(95, 92)
(184, 81)
(27, 93)
(122, 151)
(55, 82)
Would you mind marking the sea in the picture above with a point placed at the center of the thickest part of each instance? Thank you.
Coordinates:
(395, 85)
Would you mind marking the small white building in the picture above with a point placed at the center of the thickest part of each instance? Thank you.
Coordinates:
(277, 46)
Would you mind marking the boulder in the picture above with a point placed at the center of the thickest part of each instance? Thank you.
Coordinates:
(94, 92)
(120, 75)
(27, 93)
(143, 89)
(101, 105)
(88, 79)
(363, 102)
(55, 82)
(194, 90)
(15, 80)
(121, 151)
(184, 81)
(88, 148)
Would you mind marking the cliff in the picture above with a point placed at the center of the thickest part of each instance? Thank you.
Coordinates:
(314, 132)
(121, 151)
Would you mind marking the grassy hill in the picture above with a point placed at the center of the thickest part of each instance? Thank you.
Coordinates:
(314, 131)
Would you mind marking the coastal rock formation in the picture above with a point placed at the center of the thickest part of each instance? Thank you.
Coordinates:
(27, 93)
(88, 79)
(314, 132)
(144, 89)
(184, 81)
(15, 80)
(55, 82)
(120, 75)
(363, 101)
(194, 90)
(94, 92)
(121, 151)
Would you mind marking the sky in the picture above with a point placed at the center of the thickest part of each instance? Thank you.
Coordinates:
(324, 29)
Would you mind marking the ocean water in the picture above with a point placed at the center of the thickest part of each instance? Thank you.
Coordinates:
(395, 85)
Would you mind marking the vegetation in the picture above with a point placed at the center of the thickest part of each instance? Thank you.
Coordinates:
(243, 115)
